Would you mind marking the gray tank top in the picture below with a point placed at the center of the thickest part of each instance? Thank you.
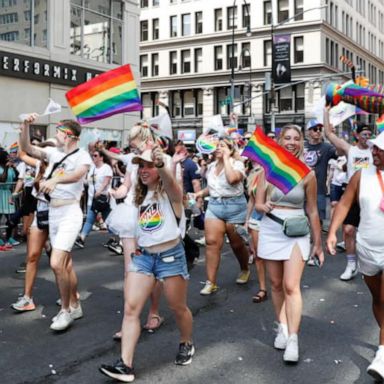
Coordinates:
(294, 199)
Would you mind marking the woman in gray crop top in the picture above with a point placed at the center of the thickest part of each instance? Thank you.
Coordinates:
(284, 256)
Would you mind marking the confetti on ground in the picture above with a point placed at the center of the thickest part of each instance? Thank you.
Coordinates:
(356, 305)
(50, 365)
(332, 321)
(240, 358)
(322, 299)
(338, 361)
(231, 310)
(53, 372)
(308, 361)
(305, 286)
(360, 293)
(118, 312)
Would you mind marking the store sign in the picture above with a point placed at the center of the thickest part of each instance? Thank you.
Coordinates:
(186, 135)
(30, 68)
(281, 58)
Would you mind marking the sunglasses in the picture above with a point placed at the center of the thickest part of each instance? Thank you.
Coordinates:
(366, 135)
(317, 129)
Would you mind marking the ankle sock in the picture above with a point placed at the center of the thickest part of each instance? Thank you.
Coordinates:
(351, 259)
(284, 327)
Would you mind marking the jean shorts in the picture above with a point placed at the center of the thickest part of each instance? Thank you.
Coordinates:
(322, 206)
(161, 265)
(229, 209)
(336, 192)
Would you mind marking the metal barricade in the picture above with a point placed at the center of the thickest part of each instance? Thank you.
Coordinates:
(8, 204)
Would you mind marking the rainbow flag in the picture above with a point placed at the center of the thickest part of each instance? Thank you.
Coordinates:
(380, 124)
(282, 169)
(14, 147)
(110, 93)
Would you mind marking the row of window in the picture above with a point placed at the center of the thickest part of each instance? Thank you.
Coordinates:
(180, 62)
(156, 3)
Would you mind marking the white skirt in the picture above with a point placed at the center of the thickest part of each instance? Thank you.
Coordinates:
(274, 244)
(123, 220)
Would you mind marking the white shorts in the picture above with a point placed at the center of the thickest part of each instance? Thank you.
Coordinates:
(122, 220)
(254, 224)
(370, 262)
(64, 226)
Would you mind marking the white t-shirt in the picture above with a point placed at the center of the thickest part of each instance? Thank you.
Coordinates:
(70, 164)
(96, 177)
(339, 177)
(358, 159)
(27, 173)
(218, 185)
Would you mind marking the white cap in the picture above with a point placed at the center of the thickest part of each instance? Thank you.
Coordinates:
(378, 141)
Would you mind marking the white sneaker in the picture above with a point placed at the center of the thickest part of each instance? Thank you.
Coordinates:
(350, 271)
(63, 321)
(291, 353)
(209, 288)
(76, 313)
(281, 337)
(341, 246)
(376, 368)
(201, 241)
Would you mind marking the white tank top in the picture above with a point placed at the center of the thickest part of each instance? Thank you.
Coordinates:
(358, 159)
(157, 222)
(370, 233)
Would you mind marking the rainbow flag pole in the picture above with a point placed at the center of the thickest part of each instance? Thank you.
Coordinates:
(108, 94)
(282, 169)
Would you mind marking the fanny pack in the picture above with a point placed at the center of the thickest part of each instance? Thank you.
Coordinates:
(296, 226)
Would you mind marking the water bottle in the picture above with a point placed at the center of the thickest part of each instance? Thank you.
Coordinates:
(192, 205)
(242, 232)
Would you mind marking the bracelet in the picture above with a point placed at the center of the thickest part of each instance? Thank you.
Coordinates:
(161, 165)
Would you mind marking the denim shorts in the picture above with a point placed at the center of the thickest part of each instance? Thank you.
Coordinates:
(229, 209)
(161, 265)
(336, 192)
(322, 206)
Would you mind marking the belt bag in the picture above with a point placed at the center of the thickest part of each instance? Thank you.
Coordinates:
(296, 226)
(42, 219)
(100, 203)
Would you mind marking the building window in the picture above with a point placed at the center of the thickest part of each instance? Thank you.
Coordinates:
(267, 53)
(186, 61)
(199, 99)
(231, 17)
(144, 65)
(218, 20)
(176, 104)
(246, 15)
(218, 57)
(25, 17)
(299, 97)
(245, 55)
(231, 57)
(285, 99)
(155, 29)
(155, 3)
(283, 10)
(186, 24)
(267, 12)
(144, 3)
(173, 26)
(189, 104)
(144, 30)
(172, 62)
(198, 59)
(198, 22)
(299, 8)
(155, 64)
(299, 49)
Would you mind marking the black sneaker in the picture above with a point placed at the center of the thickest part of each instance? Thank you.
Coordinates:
(80, 243)
(186, 351)
(110, 242)
(116, 248)
(118, 371)
(22, 268)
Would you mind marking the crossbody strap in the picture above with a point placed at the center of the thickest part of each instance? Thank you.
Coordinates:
(275, 218)
(60, 162)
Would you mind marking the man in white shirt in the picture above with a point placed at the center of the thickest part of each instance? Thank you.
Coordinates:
(63, 186)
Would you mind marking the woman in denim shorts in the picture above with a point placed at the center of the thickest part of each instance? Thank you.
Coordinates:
(226, 210)
(160, 256)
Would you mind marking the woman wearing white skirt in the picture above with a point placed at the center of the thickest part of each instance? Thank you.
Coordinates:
(285, 256)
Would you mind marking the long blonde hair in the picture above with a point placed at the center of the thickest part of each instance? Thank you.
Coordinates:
(299, 131)
(141, 131)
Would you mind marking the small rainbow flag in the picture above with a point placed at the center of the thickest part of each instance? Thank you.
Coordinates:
(110, 93)
(380, 124)
(282, 169)
(14, 147)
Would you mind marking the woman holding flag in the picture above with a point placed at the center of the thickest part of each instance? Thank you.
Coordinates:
(285, 249)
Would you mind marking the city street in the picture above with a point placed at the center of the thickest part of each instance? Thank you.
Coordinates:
(233, 336)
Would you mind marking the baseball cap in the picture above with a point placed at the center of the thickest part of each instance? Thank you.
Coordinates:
(360, 127)
(145, 156)
(115, 150)
(378, 141)
(312, 123)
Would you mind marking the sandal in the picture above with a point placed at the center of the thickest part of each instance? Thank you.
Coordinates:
(117, 336)
(159, 320)
(260, 296)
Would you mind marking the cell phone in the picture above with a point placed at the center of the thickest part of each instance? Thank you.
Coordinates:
(317, 261)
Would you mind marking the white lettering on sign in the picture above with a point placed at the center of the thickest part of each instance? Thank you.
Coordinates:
(26, 66)
(16, 65)
(46, 70)
(56, 71)
(65, 73)
(74, 75)
(5, 62)
(36, 68)
(88, 76)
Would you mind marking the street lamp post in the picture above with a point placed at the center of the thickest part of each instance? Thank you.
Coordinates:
(273, 27)
(248, 34)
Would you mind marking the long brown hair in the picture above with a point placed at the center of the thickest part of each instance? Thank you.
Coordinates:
(141, 191)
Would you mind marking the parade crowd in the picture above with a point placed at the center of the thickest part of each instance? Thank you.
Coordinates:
(149, 194)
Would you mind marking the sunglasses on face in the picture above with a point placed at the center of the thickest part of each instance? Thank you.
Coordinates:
(366, 135)
(317, 129)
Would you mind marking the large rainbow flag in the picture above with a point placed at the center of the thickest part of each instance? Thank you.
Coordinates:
(380, 124)
(110, 93)
(282, 169)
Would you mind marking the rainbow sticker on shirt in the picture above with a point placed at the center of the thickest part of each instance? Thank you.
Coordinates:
(59, 171)
(151, 218)
(360, 163)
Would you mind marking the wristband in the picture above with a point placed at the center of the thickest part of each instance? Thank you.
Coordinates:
(161, 165)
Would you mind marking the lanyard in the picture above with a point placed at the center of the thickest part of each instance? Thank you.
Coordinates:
(381, 182)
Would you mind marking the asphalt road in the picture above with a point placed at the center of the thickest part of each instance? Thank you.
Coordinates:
(233, 336)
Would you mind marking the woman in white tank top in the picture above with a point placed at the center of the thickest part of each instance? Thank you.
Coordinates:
(366, 187)
(160, 256)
